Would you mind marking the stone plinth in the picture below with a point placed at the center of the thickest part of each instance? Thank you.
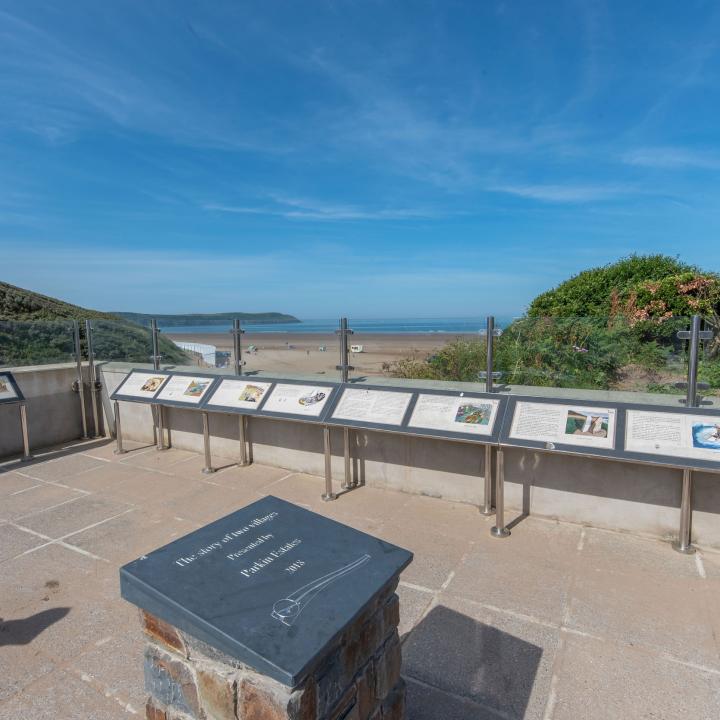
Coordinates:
(271, 613)
(358, 678)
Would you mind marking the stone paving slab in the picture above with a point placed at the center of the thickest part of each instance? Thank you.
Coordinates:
(556, 622)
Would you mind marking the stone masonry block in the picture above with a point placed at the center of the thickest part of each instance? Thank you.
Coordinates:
(162, 633)
(260, 698)
(217, 685)
(387, 667)
(393, 707)
(171, 681)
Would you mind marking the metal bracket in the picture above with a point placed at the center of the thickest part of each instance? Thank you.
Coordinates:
(702, 335)
(683, 385)
(496, 375)
(497, 332)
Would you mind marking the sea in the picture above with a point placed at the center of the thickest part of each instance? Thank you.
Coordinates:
(394, 326)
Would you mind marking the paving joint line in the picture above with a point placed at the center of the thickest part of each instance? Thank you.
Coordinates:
(457, 696)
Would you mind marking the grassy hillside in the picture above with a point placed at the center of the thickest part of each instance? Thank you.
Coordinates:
(36, 329)
(197, 319)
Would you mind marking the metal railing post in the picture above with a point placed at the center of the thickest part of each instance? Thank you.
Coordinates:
(155, 344)
(344, 367)
(208, 469)
(159, 411)
(328, 494)
(347, 479)
(237, 333)
(487, 508)
(119, 450)
(499, 530)
(243, 441)
(93, 379)
(24, 430)
(693, 362)
(80, 381)
(684, 543)
(490, 325)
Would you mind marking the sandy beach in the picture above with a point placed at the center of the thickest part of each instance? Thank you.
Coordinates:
(301, 353)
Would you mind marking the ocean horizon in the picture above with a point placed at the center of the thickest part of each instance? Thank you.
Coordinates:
(395, 326)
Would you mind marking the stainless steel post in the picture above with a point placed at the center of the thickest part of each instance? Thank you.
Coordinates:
(328, 494)
(487, 508)
(118, 430)
(24, 430)
(160, 427)
(344, 367)
(80, 381)
(490, 346)
(155, 344)
(684, 543)
(243, 441)
(159, 410)
(92, 378)
(499, 530)
(237, 333)
(347, 480)
(693, 362)
(206, 443)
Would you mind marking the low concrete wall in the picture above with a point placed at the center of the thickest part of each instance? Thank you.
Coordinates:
(53, 409)
(610, 494)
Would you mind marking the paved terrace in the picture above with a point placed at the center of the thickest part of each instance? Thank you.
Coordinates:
(559, 621)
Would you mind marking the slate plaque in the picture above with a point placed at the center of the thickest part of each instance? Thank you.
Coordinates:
(9, 390)
(272, 585)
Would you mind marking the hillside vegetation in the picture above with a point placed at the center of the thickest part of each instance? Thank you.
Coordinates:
(37, 329)
(608, 327)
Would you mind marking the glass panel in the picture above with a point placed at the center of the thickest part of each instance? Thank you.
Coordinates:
(641, 355)
(35, 342)
(128, 342)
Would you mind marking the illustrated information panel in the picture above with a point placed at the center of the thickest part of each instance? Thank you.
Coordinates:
(454, 414)
(565, 424)
(297, 399)
(375, 406)
(240, 394)
(8, 392)
(142, 385)
(185, 389)
(271, 584)
(674, 434)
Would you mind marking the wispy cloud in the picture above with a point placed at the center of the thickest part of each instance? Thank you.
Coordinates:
(565, 193)
(304, 209)
(672, 158)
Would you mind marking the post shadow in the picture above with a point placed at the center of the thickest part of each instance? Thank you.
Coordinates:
(25, 630)
(449, 652)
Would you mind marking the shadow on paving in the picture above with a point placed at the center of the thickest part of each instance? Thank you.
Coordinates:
(43, 455)
(466, 669)
(25, 630)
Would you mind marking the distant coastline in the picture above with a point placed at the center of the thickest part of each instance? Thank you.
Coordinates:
(397, 326)
(208, 320)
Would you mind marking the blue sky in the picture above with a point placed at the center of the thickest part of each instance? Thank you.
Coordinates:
(374, 159)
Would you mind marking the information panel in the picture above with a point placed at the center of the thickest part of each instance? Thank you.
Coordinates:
(293, 399)
(565, 424)
(140, 385)
(185, 389)
(239, 394)
(378, 407)
(453, 413)
(9, 390)
(681, 435)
